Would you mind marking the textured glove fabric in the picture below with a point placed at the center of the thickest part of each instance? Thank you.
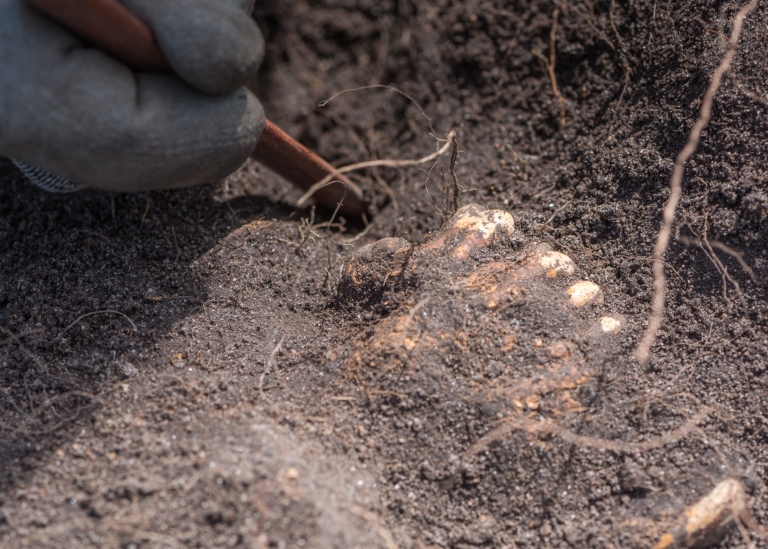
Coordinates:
(46, 180)
(210, 44)
(73, 111)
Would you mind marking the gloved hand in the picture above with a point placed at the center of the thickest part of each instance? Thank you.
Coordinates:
(76, 112)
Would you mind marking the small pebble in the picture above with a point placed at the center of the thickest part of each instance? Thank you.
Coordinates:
(584, 292)
(610, 325)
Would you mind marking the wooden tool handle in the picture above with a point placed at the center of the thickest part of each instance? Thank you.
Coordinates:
(110, 26)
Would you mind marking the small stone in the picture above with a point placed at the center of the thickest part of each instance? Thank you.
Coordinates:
(584, 292)
(292, 474)
(559, 350)
(610, 325)
(533, 402)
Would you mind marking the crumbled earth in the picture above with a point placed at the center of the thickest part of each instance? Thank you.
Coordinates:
(218, 367)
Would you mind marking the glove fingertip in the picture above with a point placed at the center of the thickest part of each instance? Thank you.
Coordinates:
(245, 5)
(213, 45)
(234, 61)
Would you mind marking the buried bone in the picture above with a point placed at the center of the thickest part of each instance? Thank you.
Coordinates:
(705, 522)
(451, 303)
(471, 227)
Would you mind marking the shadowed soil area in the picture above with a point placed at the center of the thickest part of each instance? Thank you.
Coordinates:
(219, 367)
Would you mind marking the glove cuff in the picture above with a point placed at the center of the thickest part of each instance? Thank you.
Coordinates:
(46, 180)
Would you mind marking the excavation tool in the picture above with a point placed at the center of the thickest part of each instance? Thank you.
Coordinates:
(109, 25)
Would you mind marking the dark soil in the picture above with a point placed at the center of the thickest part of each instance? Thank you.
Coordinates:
(193, 369)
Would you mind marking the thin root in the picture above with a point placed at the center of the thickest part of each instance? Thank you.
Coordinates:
(584, 441)
(386, 163)
(643, 351)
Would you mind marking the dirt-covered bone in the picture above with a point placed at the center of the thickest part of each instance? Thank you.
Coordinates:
(469, 293)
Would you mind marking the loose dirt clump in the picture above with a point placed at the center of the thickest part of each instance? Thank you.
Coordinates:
(216, 367)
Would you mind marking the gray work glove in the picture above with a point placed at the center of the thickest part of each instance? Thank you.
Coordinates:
(77, 113)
